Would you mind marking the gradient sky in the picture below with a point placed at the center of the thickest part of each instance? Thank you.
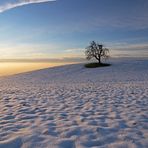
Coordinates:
(42, 29)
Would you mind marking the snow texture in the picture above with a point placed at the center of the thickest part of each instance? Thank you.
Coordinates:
(74, 107)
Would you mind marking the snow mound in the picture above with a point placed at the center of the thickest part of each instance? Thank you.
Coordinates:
(74, 107)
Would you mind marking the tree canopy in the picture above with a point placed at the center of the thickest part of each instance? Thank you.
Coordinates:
(97, 51)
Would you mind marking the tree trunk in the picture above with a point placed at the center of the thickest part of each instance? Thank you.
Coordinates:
(99, 60)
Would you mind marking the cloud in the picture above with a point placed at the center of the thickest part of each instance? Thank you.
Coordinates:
(129, 49)
(73, 50)
(20, 3)
(43, 51)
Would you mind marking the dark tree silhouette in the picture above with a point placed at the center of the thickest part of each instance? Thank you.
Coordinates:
(97, 51)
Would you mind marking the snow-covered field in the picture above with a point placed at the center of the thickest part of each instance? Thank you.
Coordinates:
(74, 107)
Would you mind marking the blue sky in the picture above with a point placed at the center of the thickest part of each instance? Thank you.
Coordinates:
(61, 29)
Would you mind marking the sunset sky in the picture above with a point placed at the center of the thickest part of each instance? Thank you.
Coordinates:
(61, 29)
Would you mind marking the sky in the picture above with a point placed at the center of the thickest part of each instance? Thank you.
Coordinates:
(61, 29)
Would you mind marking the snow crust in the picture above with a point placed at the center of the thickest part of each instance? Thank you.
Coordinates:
(74, 107)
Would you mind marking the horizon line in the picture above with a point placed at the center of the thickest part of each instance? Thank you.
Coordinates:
(63, 60)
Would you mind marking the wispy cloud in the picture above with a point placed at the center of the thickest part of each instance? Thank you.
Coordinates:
(129, 49)
(11, 5)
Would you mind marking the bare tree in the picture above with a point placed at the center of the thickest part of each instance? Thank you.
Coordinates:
(97, 51)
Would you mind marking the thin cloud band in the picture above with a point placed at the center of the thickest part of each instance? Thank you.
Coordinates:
(9, 6)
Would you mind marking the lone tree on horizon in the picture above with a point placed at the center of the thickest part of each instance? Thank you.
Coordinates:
(97, 51)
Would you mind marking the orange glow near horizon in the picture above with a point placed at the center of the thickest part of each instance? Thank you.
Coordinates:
(11, 68)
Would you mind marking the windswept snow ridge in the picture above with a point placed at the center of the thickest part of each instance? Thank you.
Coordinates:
(74, 107)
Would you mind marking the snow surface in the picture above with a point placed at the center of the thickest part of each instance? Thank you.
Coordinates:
(74, 107)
